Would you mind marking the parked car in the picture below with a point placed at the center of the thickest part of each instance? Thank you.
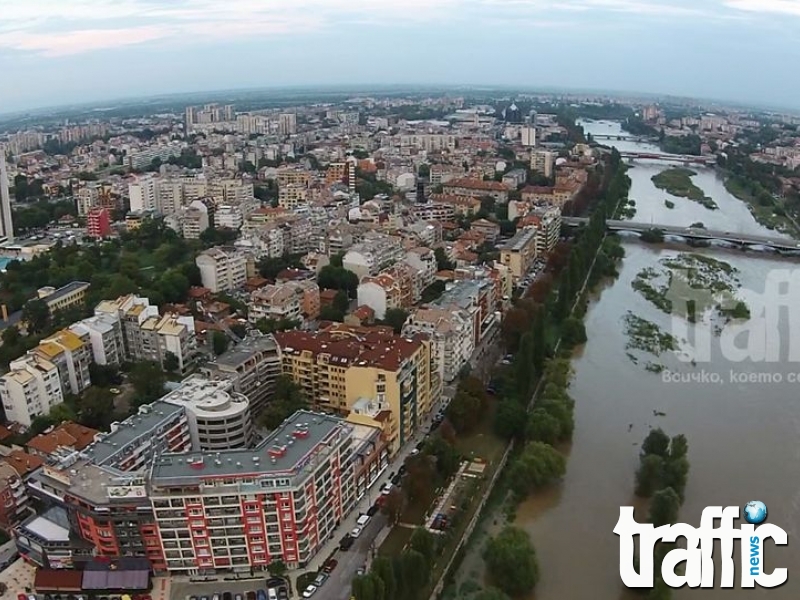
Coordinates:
(238, 597)
(262, 595)
(360, 571)
(373, 509)
(345, 544)
(309, 591)
(321, 578)
(356, 532)
(251, 595)
(330, 565)
(227, 596)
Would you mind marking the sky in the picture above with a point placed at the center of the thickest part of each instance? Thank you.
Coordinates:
(55, 52)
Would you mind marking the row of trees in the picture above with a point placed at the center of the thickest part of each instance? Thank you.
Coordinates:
(551, 314)
(662, 476)
(403, 577)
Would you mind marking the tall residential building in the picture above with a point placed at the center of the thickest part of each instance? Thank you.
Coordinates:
(338, 366)
(374, 254)
(71, 353)
(243, 509)
(169, 196)
(31, 388)
(228, 217)
(253, 366)
(142, 194)
(222, 269)
(87, 198)
(528, 136)
(519, 252)
(195, 220)
(105, 336)
(6, 220)
(98, 223)
(543, 161)
(287, 124)
(452, 337)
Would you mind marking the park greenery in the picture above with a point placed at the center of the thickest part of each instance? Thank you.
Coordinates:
(401, 577)
(511, 562)
(662, 477)
(678, 182)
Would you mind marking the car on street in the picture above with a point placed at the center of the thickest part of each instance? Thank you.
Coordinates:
(262, 595)
(330, 565)
(321, 578)
(309, 591)
(360, 571)
(238, 597)
(373, 509)
(355, 533)
(345, 544)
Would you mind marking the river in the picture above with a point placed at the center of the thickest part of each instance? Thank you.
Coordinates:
(743, 437)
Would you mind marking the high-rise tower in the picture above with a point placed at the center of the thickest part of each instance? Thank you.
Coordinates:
(6, 223)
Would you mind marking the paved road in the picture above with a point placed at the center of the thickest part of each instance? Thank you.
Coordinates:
(338, 586)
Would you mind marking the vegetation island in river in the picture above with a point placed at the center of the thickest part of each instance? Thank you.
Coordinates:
(678, 182)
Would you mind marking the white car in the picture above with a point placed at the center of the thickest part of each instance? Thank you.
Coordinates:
(356, 532)
(309, 591)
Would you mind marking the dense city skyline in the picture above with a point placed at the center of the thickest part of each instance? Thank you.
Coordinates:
(56, 53)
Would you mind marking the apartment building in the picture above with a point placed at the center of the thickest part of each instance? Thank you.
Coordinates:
(460, 205)
(287, 124)
(390, 289)
(291, 300)
(92, 511)
(341, 364)
(375, 253)
(142, 194)
(131, 445)
(423, 262)
(219, 418)
(253, 366)
(473, 297)
(71, 353)
(105, 337)
(488, 229)
(86, 198)
(169, 196)
(164, 334)
(222, 269)
(247, 508)
(228, 217)
(72, 295)
(547, 222)
(146, 335)
(476, 188)
(452, 337)
(429, 142)
(194, 220)
(543, 161)
(434, 211)
(31, 388)
(230, 192)
(98, 223)
(519, 252)
(14, 502)
(292, 197)
(515, 178)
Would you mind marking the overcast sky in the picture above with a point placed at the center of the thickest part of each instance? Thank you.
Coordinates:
(54, 52)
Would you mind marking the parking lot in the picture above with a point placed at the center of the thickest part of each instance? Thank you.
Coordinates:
(242, 589)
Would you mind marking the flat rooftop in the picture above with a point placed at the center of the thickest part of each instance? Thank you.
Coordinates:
(284, 451)
(519, 241)
(145, 423)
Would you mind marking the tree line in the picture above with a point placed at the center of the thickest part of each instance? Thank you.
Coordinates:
(662, 476)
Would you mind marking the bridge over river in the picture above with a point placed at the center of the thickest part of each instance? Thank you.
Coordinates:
(743, 240)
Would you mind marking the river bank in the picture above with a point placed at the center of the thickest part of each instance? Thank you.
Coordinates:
(677, 181)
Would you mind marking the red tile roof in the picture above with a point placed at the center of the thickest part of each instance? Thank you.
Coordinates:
(477, 184)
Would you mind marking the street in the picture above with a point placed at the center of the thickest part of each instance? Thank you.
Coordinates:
(338, 585)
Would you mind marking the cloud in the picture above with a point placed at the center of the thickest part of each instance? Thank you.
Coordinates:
(85, 40)
(785, 7)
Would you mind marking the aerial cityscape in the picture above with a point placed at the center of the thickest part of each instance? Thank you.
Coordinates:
(395, 342)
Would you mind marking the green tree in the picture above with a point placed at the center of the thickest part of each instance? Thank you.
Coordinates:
(394, 504)
(423, 542)
(511, 562)
(509, 419)
(412, 573)
(148, 381)
(657, 442)
(395, 318)
(664, 507)
(277, 568)
(383, 569)
(543, 427)
(96, 408)
(573, 332)
(538, 465)
(36, 314)
(650, 475)
(219, 342)
(171, 362)
(442, 262)
(287, 400)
